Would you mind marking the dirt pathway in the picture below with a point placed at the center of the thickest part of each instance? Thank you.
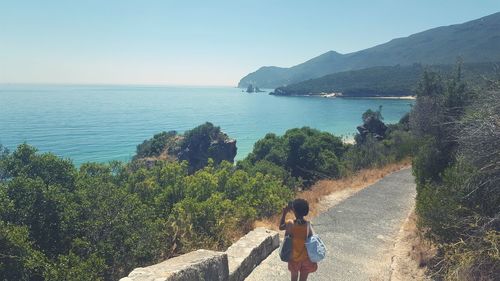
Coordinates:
(360, 233)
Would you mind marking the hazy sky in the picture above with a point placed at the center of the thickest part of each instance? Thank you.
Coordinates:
(206, 42)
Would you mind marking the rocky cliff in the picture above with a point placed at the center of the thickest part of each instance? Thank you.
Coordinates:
(195, 146)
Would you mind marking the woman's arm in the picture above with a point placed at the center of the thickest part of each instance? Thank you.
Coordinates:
(282, 225)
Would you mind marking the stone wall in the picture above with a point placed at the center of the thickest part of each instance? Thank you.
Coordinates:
(249, 251)
(197, 265)
(233, 265)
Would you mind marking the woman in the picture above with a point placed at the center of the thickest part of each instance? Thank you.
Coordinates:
(299, 260)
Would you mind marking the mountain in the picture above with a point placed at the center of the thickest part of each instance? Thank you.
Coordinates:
(473, 41)
(373, 81)
(384, 80)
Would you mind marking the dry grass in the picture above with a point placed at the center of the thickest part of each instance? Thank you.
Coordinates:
(421, 251)
(324, 188)
(411, 253)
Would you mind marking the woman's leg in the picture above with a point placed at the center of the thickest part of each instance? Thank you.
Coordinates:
(295, 275)
(303, 276)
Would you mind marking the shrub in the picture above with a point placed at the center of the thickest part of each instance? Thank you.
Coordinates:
(378, 144)
(457, 177)
(103, 220)
(307, 154)
(195, 146)
(269, 168)
(475, 258)
(156, 145)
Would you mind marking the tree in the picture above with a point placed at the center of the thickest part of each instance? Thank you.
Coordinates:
(307, 154)
(19, 260)
(372, 126)
(102, 220)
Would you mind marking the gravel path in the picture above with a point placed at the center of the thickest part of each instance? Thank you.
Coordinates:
(359, 233)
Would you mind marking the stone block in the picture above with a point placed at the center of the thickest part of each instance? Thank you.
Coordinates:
(248, 252)
(200, 265)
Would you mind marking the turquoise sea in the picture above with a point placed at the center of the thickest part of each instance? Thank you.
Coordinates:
(103, 123)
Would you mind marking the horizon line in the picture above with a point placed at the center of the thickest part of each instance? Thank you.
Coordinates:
(111, 84)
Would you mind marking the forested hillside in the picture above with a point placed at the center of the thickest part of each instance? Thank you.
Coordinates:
(383, 80)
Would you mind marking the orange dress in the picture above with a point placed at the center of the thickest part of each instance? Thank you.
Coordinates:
(299, 260)
(299, 233)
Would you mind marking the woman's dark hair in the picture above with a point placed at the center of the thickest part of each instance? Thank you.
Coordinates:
(301, 207)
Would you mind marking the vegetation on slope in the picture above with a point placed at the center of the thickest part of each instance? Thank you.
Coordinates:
(375, 150)
(304, 153)
(303, 156)
(195, 146)
(381, 81)
(100, 221)
(376, 81)
(457, 173)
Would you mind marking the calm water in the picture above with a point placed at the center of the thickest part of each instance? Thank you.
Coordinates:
(103, 123)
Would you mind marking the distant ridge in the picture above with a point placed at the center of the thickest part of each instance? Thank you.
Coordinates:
(474, 41)
(385, 81)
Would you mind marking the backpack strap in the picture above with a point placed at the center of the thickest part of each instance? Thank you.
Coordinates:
(288, 230)
(310, 230)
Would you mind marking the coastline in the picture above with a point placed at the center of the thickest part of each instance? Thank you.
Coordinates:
(333, 96)
(371, 97)
(392, 98)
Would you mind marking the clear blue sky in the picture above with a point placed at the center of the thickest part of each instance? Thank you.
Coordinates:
(202, 42)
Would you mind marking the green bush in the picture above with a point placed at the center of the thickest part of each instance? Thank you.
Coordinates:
(458, 200)
(307, 154)
(269, 168)
(156, 145)
(103, 220)
(370, 153)
(429, 162)
(377, 144)
(100, 221)
(19, 259)
(195, 146)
